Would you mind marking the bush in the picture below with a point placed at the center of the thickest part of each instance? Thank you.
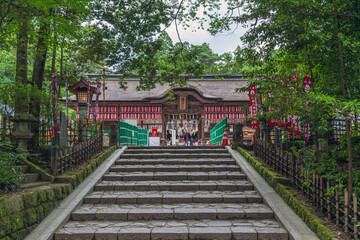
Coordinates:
(10, 176)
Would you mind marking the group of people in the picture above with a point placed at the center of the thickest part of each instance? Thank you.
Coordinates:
(188, 138)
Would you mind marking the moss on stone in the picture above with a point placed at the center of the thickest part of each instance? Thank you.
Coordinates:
(50, 195)
(48, 207)
(93, 164)
(77, 177)
(39, 213)
(58, 192)
(30, 199)
(42, 196)
(66, 189)
(5, 226)
(14, 204)
(3, 211)
(30, 217)
(17, 221)
(324, 233)
(89, 169)
(30, 229)
(20, 213)
(19, 235)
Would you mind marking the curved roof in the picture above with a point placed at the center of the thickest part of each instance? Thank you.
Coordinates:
(221, 90)
(216, 87)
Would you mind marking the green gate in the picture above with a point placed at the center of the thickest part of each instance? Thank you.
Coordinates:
(132, 135)
(217, 133)
(143, 136)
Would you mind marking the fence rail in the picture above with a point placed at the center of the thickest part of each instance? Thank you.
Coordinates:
(337, 206)
(78, 154)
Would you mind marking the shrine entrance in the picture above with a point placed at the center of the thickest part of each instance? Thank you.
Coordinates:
(183, 115)
(182, 130)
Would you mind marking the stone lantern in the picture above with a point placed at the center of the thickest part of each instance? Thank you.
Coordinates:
(23, 132)
(80, 89)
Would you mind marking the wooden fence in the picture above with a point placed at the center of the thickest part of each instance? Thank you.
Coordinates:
(79, 153)
(337, 206)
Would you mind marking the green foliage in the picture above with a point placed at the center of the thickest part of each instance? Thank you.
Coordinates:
(318, 39)
(10, 176)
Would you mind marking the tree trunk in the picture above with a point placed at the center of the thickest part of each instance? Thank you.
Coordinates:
(38, 79)
(21, 61)
(54, 56)
(61, 62)
(347, 114)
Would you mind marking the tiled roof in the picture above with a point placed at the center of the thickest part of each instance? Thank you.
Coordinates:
(223, 90)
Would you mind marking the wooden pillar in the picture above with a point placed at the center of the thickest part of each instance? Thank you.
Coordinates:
(201, 127)
(163, 133)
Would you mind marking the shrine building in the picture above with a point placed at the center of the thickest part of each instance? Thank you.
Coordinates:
(196, 107)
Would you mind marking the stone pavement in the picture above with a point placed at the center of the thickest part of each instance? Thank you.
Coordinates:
(173, 193)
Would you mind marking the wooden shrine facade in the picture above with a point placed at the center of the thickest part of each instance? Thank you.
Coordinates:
(204, 100)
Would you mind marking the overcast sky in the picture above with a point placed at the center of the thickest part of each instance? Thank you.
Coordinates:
(225, 42)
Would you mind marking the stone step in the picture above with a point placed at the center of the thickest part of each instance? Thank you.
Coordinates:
(167, 197)
(174, 168)
(185, 185)
(176, 150)
(171, 230)
(31, 185)
(146, 148)
(212, 161)
(182, 211)
(174, 155)
(30, 177)
(23, 168)
(172, 176)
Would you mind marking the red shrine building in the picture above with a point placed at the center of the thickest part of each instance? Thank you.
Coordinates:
(195, 107)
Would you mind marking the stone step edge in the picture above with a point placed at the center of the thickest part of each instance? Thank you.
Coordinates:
(174, 176)
(173, 186)
(176, 147)
(173, 162)
(174, 155)
(185, 233)
(169, 169)
(197, 151)
(169, 198)
(175, 214)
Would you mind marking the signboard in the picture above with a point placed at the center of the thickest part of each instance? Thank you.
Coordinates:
(173, 137)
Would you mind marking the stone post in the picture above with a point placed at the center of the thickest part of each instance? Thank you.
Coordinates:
(82, 122)
(114, 135)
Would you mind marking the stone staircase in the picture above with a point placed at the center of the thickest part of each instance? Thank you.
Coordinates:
(173, 193)
(31, 179)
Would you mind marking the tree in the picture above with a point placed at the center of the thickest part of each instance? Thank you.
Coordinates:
(319, 38)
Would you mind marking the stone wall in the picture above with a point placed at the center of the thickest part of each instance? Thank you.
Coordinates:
(21, 213)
